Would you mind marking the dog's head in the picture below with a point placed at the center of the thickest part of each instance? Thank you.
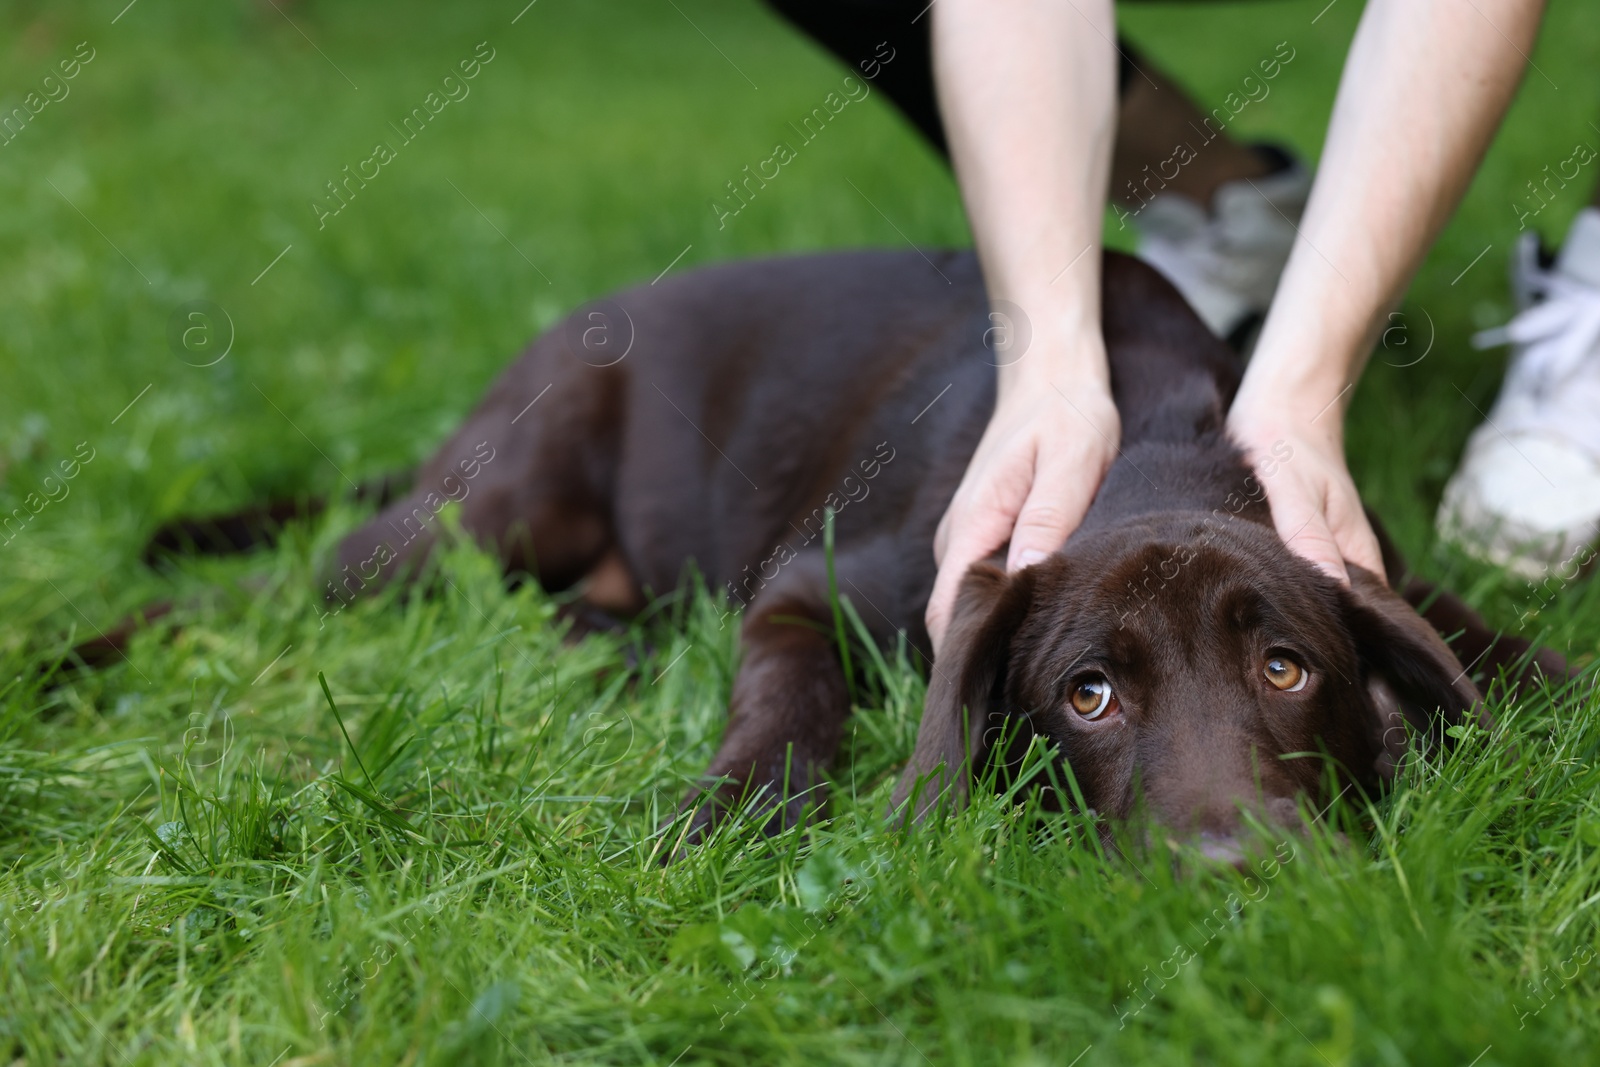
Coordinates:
(1194, 666)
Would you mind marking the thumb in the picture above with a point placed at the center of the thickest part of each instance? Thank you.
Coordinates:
(942, 602)
(969, 542)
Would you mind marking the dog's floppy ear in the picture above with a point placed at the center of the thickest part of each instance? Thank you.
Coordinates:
(964, 688)
(1411, 676)
(1487, 653)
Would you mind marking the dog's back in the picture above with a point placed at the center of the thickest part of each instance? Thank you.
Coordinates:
(713, 418)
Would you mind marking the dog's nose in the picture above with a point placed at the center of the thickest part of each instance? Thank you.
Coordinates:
(1219, 850)
(1224, 850)
(1226, 840)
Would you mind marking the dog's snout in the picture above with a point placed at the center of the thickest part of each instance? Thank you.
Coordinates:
(1237, 842)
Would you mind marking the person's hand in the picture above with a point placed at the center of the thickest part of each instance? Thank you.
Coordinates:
(1376, 206)
(1031, 480)
(1315, 506)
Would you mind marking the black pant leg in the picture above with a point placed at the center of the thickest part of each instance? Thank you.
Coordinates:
(856, 31)
(864, 31)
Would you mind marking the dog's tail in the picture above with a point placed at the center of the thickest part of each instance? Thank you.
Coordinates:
(257, 526)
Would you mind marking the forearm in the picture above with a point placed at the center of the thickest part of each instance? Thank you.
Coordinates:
(1028, 93)
(1425, 85)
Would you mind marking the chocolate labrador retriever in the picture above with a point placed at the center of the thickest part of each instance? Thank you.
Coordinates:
(1174, 651)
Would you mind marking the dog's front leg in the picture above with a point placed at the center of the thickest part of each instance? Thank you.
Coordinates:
(786, 718)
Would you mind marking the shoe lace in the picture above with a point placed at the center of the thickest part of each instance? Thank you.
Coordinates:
(1555, 336)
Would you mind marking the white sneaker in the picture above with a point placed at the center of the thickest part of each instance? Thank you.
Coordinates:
(1527, 493)
(1226, 261)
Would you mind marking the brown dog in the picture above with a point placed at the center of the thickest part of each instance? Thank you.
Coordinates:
(1174, 649)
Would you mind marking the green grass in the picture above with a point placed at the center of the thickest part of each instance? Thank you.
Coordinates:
(195, 865)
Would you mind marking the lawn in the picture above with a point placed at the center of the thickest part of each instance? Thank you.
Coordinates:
(450, 854)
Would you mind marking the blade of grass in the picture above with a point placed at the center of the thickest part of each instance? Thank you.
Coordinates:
(833, 601)
(340, 720)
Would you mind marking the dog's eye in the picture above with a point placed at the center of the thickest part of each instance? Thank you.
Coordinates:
(1092, 697)
(1285, 674)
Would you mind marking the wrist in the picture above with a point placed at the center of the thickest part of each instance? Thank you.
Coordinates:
(1067, 356)
(1303, 382)
(1261, 426)
(1309, 356)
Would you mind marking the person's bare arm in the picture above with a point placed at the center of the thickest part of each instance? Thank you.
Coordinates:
(1425, 86)
(1027, 89)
